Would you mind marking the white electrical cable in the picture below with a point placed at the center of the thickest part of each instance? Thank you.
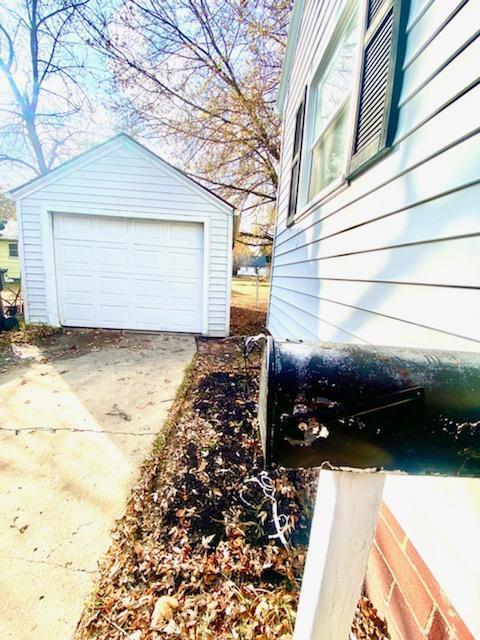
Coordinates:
(280, 521)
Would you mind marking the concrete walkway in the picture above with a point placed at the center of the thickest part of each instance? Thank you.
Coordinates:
(60, 491)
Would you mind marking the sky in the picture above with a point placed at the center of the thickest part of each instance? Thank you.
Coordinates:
(91, 126)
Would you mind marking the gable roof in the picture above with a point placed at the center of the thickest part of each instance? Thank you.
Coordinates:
(259, 262)
(105, 147)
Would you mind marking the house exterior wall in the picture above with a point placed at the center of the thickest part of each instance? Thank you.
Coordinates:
(6, 262)
(125, 181)
(251, 271)
(392, 257)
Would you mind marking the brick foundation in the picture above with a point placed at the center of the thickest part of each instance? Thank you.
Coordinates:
(405, 592)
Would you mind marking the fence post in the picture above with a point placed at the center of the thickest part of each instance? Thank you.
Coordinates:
(343, 527)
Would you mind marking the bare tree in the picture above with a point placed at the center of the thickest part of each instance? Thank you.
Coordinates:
(7, 207)
(202, 77)
(40, 63)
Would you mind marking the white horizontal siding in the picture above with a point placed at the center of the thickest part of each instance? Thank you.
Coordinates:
(395, 265)
(427, 19)
(425, 221)
(446, 46)
(393, 257)
(425, 306)
(446, 86)
(125, 181)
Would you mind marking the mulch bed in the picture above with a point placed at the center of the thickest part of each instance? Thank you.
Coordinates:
(194, 557)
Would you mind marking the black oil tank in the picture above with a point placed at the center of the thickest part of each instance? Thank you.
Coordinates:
(360, 407)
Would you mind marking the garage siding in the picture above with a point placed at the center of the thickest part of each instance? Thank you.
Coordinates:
(125, 181)
(393, 257)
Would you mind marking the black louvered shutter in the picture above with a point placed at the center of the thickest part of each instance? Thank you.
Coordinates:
(296, 160)
(380, 79)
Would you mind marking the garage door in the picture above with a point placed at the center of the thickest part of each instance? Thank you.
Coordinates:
(129, 273)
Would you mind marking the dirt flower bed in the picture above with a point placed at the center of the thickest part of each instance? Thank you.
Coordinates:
(194, 557)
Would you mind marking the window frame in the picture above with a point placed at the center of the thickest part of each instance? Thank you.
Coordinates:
(305, 202)
(10, 246)
(296, 161)
(351, 167)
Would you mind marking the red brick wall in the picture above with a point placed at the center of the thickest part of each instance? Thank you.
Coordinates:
(405, 592)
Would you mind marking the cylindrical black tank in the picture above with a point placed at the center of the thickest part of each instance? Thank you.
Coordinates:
(359, 407)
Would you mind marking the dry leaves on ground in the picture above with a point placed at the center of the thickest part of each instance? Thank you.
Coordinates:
(247, 321)
(193, 557)
(27, 334)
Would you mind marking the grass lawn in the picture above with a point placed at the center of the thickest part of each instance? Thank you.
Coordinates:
(244, 293)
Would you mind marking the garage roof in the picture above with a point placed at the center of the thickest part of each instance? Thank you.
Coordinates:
(85, 158)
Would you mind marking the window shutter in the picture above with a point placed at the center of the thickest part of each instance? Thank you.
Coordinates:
(380, 79)
(296, 160)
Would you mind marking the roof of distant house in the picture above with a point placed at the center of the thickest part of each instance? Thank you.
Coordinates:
(258, 263)
(8, 230)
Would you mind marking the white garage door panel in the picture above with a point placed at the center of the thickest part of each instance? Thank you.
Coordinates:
(129, 273)
(169, 261)
(110, 285)
(70, 254)
(82, 312)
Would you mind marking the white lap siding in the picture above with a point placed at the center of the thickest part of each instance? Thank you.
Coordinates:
(393, 258)
(123, 181)
(407, 229)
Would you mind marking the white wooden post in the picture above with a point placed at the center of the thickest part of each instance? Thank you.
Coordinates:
(256, 291)
(343, 527)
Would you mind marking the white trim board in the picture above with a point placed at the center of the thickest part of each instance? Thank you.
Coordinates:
(295, 22)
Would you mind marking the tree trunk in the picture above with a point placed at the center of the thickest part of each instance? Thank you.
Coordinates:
(35, 142)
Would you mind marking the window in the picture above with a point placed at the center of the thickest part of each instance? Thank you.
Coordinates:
(331, 107)
(13, 249)
(380, 80)
(296, 160)
(352, 106)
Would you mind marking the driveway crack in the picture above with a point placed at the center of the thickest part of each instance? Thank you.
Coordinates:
(77, 430)
(48, 562)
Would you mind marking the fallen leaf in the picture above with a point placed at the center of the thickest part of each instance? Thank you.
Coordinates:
(162, 611)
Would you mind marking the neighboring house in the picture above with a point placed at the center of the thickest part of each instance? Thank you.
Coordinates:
(9, 251)
(118, 238)
(253, 266)
(377, 241)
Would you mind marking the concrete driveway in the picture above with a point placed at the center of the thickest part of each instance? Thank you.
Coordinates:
(73, 433)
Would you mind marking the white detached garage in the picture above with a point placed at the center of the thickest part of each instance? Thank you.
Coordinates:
(118, 238)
